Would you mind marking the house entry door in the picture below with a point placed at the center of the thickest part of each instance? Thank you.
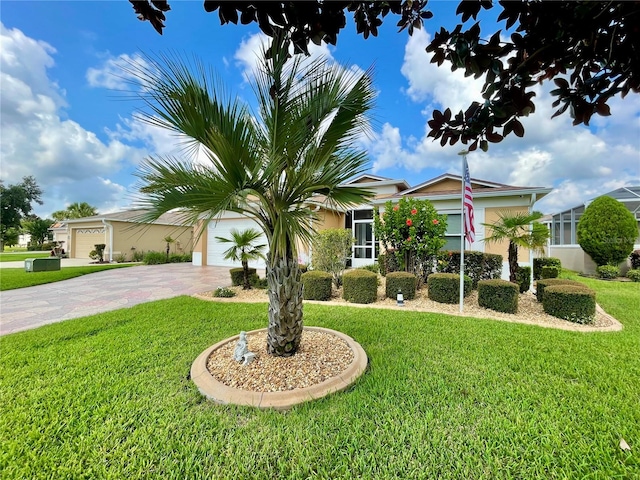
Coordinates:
(365, 249)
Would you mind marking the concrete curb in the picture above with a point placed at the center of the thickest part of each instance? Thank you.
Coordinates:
(223, 394)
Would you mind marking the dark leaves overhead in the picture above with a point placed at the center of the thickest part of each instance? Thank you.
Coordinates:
(590, 49)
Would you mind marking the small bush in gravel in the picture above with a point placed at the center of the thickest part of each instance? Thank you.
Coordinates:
(404, 281)
(223, 292)
(237, 275)
(360, 286)
(539, 263)
(542, 284)
(570, 302)
(608, 272)
(523, 275)
(445, 287)
(317, 285)
(549, 272)
(498, 295)
(634, 275)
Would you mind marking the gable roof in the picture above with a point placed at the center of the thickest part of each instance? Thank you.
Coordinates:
(445, 178)
(132, 216)
(370, 180)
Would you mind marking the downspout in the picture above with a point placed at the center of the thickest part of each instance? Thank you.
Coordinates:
(534, 198)
(109, 227)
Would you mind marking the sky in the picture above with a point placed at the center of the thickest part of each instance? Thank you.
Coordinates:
(65, 121)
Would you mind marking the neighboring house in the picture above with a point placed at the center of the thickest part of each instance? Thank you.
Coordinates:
(24, 239)
(563, 243)
(444, 192)
(122, 234)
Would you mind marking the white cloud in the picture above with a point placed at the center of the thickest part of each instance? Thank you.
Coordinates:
(69, 163)
(114, 72)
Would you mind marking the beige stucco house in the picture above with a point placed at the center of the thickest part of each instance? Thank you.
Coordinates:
(444, 192)
(122, 233)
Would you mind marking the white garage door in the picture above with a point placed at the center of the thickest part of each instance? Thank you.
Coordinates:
(215, 248)
(86, 239)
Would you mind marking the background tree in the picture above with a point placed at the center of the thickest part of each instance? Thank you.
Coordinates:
(521, 230)
(11, 237)
(607, 231)
(243, 250)
(589, 49)
(331, 250)
(414, 231)
(75, 210)
(16, 203)
(38, 228)
(268, 165)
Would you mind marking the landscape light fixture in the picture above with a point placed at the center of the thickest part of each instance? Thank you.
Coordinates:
(400, 298)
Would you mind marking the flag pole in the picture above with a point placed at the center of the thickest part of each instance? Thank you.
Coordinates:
(463, 153)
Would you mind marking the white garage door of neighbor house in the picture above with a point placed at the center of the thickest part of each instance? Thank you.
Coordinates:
(86, 239)
(216, 249)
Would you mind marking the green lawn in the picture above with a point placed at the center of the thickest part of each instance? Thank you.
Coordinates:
(107, 396)
(11, 278)
(21, 256)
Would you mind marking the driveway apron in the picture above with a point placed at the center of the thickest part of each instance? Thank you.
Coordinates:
(31, 307)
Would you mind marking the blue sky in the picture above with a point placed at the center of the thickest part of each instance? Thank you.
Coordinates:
(63, 121)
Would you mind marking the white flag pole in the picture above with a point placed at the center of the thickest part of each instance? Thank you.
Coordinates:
(462, 239)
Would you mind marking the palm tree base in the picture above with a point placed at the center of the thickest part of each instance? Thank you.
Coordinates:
(285, 308)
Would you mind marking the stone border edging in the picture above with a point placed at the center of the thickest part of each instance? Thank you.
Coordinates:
(223, 394)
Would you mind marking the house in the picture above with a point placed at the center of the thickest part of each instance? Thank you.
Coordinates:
(444, 192)
(563, 243)
(122, 234)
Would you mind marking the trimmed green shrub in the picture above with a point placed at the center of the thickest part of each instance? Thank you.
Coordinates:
(477, 265)
(635, 260)
(154, 258)
(137, 256)
(523, 275)
(317, 285)
(382, 266)
(257, 282)
(550, 272)
(360, 286)
(372, 268)
(498, 295)
(179, 257)
(540, 263)
(608, 272)
(634, 275)
(237, 275)
(607, 231)
(445, 287)
(223, 292)
(570, 302)
(542, 284)
(404, 281)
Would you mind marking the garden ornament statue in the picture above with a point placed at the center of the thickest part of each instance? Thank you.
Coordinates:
(241, 352)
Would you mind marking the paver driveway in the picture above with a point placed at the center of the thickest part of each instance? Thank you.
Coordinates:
(31, 307)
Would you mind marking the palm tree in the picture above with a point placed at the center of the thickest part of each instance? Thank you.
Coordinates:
(243, 250)
(75, 210)
(300, 144)
(521, 229)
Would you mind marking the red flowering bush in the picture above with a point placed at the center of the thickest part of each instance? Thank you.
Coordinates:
(409, 222)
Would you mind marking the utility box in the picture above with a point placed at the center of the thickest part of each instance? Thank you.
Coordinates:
(42, 264)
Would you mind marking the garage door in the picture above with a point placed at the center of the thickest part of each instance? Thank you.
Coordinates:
(215, 248)
(86, 239)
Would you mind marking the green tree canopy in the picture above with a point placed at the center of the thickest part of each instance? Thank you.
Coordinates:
(607, 231)
(75, 210)
(16, 202)
(38, 228)
(589, 49)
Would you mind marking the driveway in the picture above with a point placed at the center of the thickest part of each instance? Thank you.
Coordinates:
(31, 307)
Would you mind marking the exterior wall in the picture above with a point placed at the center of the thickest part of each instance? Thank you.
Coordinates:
(329, 219)
(199, 256)
(74, 227)
(574, 258)
(128, 237)
(447, 184)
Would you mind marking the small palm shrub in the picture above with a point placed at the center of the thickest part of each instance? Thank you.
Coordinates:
(542, 284)
(317, 285)
(360, 286)
(608, 272)
(523, 275)
(445, 287)
(634, 275)
(237, 275)
(498, 295)
(403, 281)
(223, 292)
(540, 263)
(154, 258)
(570, 302)
(549, 272)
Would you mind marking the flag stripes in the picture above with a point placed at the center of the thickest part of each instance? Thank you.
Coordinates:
(469, 229)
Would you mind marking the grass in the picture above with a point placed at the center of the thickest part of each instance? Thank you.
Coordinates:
(107, 396)
(11, 278)
(21, 256)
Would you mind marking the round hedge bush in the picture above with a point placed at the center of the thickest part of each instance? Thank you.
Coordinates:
(549, 272)
(498, 295)
(404, 281)
(317, 285)
(570, 302)
(445, 287)
(360, 286)
(542, 284)
(540, 262)
(634, 275)
(237, 275)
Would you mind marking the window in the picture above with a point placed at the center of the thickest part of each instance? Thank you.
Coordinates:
(454, 229)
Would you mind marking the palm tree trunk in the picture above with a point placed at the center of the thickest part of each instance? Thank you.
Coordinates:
(245, 275)
(285, 307)
(513, 262)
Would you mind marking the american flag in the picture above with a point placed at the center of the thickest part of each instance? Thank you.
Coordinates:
(467, 205)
